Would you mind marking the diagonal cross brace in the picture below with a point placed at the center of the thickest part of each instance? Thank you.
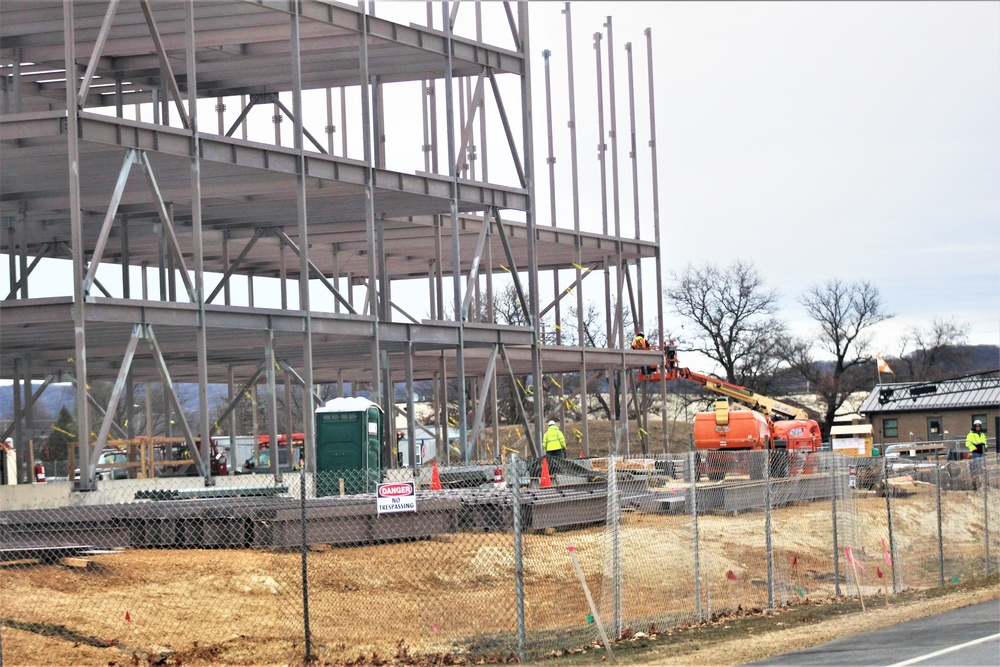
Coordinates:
(44, 250)
(239, 395)
(168, 387)
(235, 265)
(295, 248)
(161, 53)
(116, 393)
(506, 128)
(476, 259)
(483, 392)
(517, 402)
(513, 267)
(109, 219)
(95, 55)
(477, 102)
(566, 291)
(285, 366)
(168, 225)
(28, 403)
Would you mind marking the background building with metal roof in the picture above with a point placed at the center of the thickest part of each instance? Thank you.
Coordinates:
(932, 411)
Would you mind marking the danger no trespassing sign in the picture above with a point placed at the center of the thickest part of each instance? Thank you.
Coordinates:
(396, 497)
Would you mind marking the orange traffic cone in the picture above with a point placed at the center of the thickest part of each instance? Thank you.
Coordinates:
(545, 481)
(435, 478)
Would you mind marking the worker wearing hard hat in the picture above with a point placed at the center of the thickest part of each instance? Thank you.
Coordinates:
(554, 442)
(975, 442)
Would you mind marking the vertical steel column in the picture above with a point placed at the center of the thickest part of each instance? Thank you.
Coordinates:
(231, 385)
(24, 475)
(601, 157)
(272, 403)
(656, 229)
(376, 361)
(581, 341)
(23, 254)
(551, 161)
(308, 401)
(456, 258)
(530, 217)
(79, 267)
(198, 245)
(411, 431)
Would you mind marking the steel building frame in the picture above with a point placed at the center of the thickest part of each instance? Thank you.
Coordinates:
(200, 208)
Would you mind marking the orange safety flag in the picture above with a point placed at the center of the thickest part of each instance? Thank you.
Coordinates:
(882, 366)
(851, 560)
(885, 553)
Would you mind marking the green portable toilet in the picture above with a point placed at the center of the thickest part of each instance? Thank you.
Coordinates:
(348, 446)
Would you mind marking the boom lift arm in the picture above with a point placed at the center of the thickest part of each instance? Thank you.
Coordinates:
(769, 407)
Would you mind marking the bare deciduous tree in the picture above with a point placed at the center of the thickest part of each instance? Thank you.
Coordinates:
(928, 352)
(732, 310)
(845, 313)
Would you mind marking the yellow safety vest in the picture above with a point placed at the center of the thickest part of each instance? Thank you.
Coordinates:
(553, 440)
(974, 440)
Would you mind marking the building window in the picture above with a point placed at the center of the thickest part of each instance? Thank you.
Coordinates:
(890, 428)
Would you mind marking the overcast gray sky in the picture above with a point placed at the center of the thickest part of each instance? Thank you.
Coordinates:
(855, 140)
(851, 140)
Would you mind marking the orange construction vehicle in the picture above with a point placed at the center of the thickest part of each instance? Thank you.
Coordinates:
(765, 423)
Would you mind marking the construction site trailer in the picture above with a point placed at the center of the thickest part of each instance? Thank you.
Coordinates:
(348, 446)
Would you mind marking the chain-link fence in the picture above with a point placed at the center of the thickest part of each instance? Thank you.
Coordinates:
(474, 563)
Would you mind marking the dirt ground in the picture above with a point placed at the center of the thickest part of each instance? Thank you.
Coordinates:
(201, 607)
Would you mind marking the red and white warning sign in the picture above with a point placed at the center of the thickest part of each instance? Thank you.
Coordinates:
(396, 497)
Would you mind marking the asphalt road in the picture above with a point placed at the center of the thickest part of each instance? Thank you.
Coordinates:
(967, 637)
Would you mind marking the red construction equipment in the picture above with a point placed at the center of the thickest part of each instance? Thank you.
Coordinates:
(767, 424)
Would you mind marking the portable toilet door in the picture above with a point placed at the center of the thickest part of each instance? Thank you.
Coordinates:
(349, 434)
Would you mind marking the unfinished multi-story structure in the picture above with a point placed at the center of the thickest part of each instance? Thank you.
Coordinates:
(139, 170)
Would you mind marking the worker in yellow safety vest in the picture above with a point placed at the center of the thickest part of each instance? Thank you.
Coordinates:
(554, 442)
(975, 442)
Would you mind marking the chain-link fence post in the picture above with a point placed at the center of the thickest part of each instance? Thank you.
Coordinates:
(305, 568)
(767, 529)
(940, 527)
(888, 516)
(693, 476)
(986, 509)
(614, 522)
(834, 457)
(515, 484)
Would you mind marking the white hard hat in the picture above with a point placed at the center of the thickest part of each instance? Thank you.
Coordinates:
(552, 422)
(978, 422)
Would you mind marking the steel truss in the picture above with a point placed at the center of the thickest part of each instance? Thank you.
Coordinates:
(213, 207)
